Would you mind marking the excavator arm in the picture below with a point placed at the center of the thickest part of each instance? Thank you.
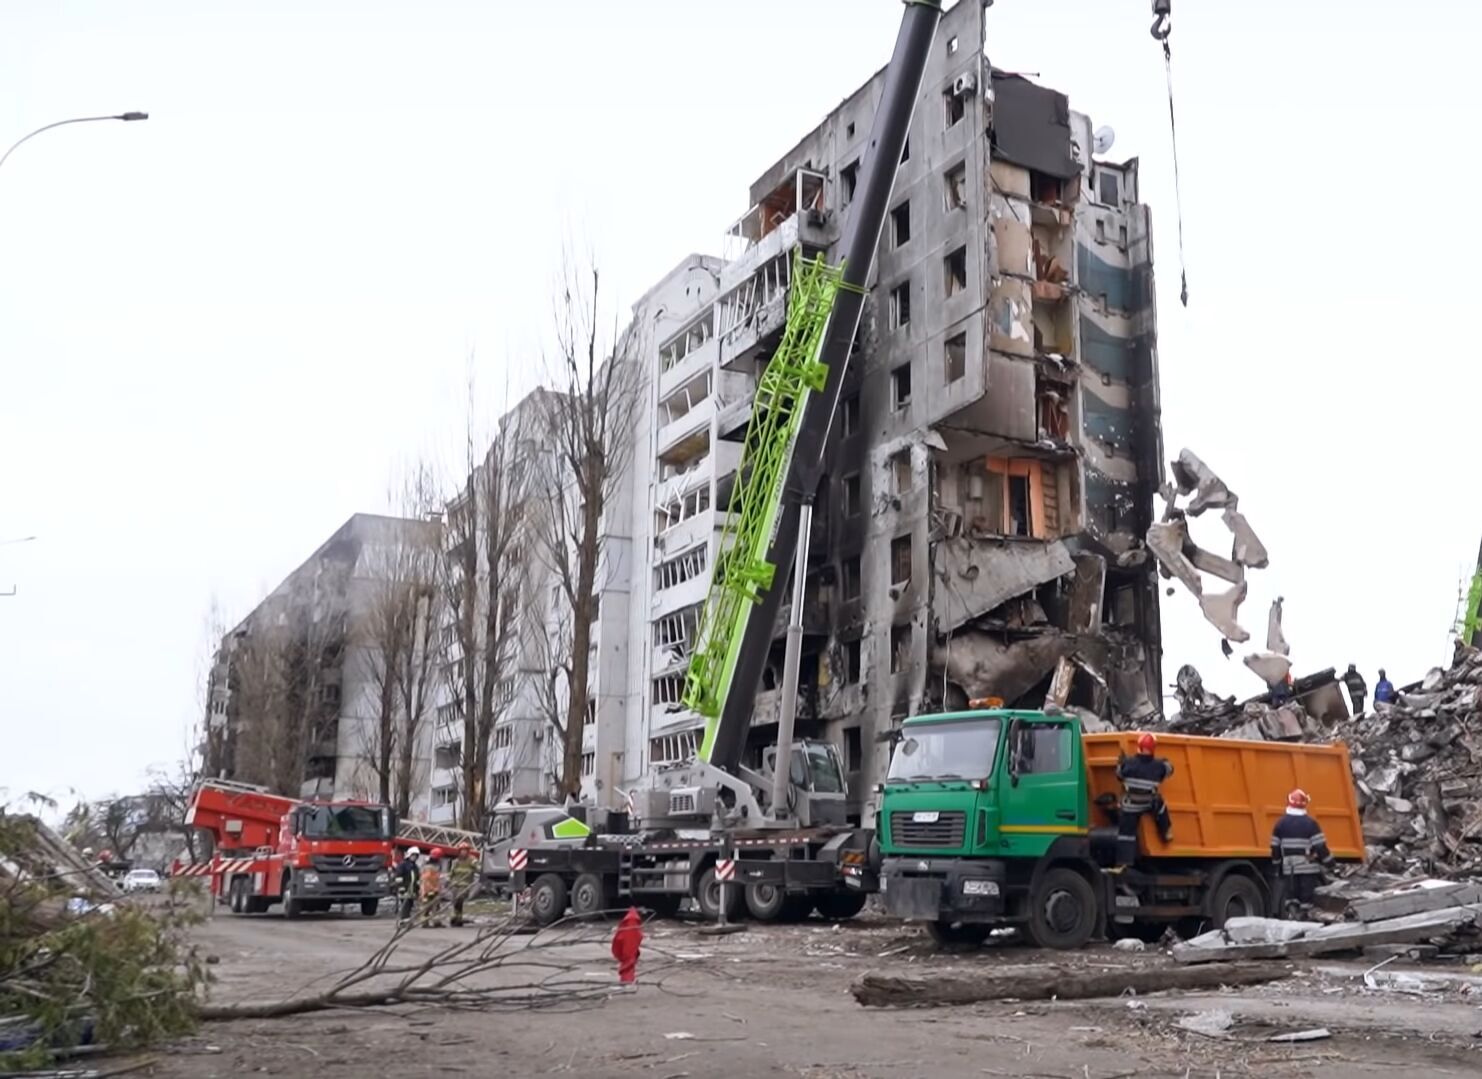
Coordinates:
(797, 394)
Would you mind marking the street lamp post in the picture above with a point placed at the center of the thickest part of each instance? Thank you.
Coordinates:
(127, 117)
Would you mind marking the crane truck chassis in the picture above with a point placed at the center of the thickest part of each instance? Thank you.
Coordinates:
(1007, 818)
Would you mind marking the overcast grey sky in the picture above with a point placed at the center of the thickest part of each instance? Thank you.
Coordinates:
(222, 330)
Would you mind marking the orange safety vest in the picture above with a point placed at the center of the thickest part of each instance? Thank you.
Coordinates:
(431, 881)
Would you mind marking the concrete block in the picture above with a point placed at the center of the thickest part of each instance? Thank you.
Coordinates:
(1222, 609)
(1248, 549)
(1426, 896)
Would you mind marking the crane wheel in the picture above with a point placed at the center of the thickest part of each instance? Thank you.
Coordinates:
(590, 895)
(766, 902)
(547, 899)
(708, 895)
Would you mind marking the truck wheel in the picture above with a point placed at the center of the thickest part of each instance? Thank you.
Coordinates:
(1062, 910)
(370, 907)
(707, 895)
(1236, 896)
(293, 906)
(547, 899)
(945, 933)
(589, 895)
(236, 900)
(766, 902)
(840, 906)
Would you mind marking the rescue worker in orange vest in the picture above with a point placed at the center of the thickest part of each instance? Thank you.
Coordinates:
(432, 889)
(1141, 777)
(1299, 850)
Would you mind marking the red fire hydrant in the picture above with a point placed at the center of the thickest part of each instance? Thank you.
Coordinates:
(626, 942)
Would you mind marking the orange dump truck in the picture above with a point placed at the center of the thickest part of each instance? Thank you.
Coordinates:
(1006, 817)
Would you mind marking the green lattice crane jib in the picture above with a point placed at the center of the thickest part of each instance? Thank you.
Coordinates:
(742, 571)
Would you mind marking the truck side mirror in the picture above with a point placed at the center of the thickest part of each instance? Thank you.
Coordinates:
(1016, 733)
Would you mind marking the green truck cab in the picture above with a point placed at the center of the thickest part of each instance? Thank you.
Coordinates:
(984, 821)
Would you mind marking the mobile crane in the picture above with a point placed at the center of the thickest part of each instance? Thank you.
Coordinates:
(781, 831)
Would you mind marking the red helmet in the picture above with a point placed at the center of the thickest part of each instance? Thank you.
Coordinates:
(436, 852)
(1146, 743)
(1298, 799)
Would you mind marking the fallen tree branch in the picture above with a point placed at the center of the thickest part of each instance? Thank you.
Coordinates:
(886, 991)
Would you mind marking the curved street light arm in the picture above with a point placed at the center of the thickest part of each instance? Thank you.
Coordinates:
(126, 116)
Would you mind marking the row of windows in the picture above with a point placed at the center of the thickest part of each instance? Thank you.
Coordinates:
(687, 340)
(682, 567)
(678, 629)
(672, 748)
(682, 509)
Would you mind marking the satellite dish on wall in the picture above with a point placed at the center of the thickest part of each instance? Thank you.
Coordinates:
(1103, 139)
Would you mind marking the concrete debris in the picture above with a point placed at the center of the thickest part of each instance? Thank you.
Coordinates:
(1222, 609)
(1248, 550)
(1130, 944)
(1270, 667)
(1315, 1035)
(1211, 1024)
(1194, 476)
(1269, 938)
(1275, 639)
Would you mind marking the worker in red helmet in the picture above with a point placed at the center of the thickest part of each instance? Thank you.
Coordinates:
(432, 889)
(463, 877)
(1141, 777)
(1299, 850)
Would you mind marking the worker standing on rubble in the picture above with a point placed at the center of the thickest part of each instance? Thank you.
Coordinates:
(1384, 689)
(1299, 850)
(1358, 689)
(1141, 777)
(407, 874)
(464, 878)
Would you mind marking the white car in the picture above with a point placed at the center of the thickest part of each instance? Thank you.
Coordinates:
(142, 880)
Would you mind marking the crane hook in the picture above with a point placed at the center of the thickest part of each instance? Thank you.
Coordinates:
(1162, 13)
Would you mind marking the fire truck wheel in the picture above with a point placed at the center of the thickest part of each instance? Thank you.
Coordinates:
(766, 902)
(234, 896)
(839, 906)
(547, 899)
(590, 895)
(370, 907)
(293, 906)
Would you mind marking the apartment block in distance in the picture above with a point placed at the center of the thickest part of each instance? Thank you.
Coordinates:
(997, 446)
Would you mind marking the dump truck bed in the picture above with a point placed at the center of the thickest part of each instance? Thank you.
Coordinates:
(1226, 795)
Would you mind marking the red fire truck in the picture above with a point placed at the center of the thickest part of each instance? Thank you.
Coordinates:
(310, 856)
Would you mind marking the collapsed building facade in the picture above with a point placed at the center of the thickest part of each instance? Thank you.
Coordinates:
(997, 448)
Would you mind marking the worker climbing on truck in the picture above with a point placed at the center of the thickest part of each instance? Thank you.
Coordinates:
(1299, 850)
(1141, 777)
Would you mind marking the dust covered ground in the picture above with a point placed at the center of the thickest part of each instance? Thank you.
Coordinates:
(775, 1001)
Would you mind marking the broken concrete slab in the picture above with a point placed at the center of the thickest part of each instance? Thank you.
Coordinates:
(1193, 475)
(1324, 940)
(1275, 639)
(1213, 564)
(984, 665)
(980, 575)
(1166, 540)
(1248, 550)
(1427, 895)
(1221, 609)
(1270, 667)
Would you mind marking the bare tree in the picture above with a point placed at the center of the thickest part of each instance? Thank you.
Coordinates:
(483, 585)
(394, 635)
(588, 422)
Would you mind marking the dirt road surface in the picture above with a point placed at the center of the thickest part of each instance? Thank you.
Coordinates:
(775, 1001)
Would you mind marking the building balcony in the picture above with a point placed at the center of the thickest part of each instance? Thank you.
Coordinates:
(693, 474)
(693, 363)
(685, 594)
(733, 418)
(685, 534)
(687, 437)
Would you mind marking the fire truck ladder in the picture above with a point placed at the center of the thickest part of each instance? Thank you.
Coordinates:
(416, 833)
(741, 569)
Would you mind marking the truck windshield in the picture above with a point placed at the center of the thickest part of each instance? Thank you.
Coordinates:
(946, 751)
(346, 822)
(823, 765)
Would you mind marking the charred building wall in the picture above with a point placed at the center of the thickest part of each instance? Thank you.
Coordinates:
(997, 447)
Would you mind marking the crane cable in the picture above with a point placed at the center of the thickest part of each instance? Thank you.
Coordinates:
(1162, 24)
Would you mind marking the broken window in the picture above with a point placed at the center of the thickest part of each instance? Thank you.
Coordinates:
(1045, 188)
(670, 748)
(1018, 506)
(849, 415)
(954, 357)
(1111, 187)
(906, 151)
(447, 755)
(848, 181)
(852, 652)
(681, 567)
(1052, 400)
(678, 629)
(955, 187)
(668, 688)
(900, 385)
(900, 470)
(900, 305)
(955, 107)
(687, 340)
(900, 560)
(853, 749)
(900, 648)
(952, 45)
(955, 266)
(850, 573)
(900, 224)
(1005, 497)
(851, 495)
(849, 130)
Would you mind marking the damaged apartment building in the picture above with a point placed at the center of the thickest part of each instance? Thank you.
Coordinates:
(996, 451)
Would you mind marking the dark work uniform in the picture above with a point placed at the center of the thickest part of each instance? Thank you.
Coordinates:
(408, 876)
(1358, 689)
(1141, 776)
(1298, 849)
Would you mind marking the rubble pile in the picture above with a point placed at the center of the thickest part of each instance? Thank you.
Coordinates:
(1417, 765)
